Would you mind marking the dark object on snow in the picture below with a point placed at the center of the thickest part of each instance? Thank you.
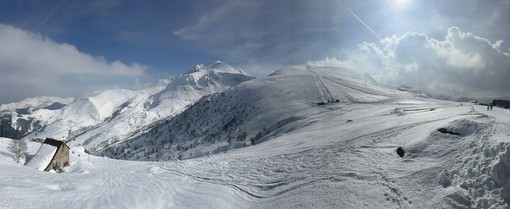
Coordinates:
(401, 152)
(501, 103)
(348, 121)
(444, 131)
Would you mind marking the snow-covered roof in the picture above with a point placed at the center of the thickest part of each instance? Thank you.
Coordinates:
(43, 157)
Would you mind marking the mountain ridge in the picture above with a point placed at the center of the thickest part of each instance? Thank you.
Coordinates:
(252, 112)
(102, 117)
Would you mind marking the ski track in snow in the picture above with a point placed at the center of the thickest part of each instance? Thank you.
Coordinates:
(342, 155)
(322, 165)
(285, 174)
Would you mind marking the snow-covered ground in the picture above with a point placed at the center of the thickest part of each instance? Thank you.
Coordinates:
(342, 158)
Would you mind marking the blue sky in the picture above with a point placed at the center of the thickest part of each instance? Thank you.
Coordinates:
(70, 47)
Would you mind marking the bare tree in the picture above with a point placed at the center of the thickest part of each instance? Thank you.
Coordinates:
(18, 147)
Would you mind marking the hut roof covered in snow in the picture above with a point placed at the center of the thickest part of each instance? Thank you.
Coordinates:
(43, 157)
(47, 153)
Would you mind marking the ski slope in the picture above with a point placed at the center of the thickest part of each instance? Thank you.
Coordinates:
(329, 163)
(252, 112)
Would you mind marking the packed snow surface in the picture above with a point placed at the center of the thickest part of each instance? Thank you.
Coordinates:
(330, 163)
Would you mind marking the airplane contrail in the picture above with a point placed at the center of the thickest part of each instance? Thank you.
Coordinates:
(366, 26)
(50, 14)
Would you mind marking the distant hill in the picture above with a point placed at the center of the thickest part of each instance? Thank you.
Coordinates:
(254, 111)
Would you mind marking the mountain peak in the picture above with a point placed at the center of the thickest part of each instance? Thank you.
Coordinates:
(218, 67)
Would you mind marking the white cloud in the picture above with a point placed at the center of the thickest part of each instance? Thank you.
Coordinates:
(463, 64)
(32, 64)
(333, 62)
(501, 46)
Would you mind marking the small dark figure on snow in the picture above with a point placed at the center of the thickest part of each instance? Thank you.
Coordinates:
(400, 152)
(491, 105)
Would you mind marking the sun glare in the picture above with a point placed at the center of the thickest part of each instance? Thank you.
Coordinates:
(402, 4)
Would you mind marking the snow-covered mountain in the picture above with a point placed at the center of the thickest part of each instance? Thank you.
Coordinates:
(26, 116)
(100, 118)
(328, 139)
(254, 111)
(31, 104)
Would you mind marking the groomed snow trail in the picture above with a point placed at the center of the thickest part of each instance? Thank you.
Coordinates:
(330, 163)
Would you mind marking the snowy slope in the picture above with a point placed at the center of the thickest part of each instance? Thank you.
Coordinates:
(330, 163)
(327, 141)
(100, 118)
(253, 112)
(5, 155)
(35, 103)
